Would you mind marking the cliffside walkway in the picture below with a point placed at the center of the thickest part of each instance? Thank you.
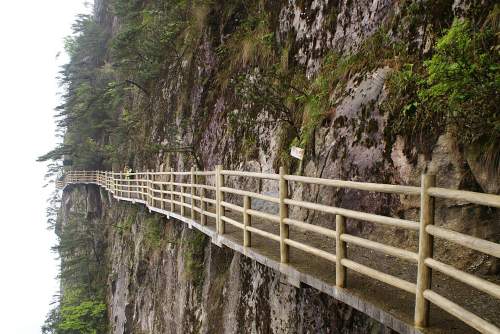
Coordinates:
(399, 293)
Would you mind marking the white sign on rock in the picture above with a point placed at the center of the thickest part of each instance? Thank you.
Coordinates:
(297, 152)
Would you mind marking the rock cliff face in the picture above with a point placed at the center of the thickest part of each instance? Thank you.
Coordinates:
(166, 278)
(351, 143)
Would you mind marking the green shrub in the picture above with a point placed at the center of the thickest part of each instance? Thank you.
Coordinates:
(457, 88)
(463, 80)
(77, 313)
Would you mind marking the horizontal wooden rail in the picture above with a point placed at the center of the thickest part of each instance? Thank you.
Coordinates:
(310, 227)
(232, 222)
(467, 196)
(178, 173)
(260, 214)
(264, 233)
(369, 217)
(233, 207)
(204, 186)
(462, 276)
(204, 173)
(461, 313)
(478, 244)
(311, 250)
(250, 194)
(376, 246)
(250, 174)
(206, 213)
(381, 188)
(378, 275)
(170, 191)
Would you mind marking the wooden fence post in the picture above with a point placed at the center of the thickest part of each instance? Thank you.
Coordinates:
(152, 178)
(153, 188)
(220, 182)
(148, 185)
(172, 198)
(182, 196)
(118, 184)
(144, 184)
(161, 188)
(145, 188)
(138, 186)
(284, 228)
(164, 189)
(192, 193)
(247, 221)
(217, 198)
(425, 250)
(129, 184)
(203, 205)
(341, 251)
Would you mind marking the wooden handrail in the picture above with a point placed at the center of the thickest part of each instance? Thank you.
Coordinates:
(250, 174)
(468, 196)
(152, 188)
(454, 309)
(402, 223)
(377, 187)
(481, 245)
(472, 280)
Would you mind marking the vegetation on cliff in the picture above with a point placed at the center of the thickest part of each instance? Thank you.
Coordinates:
(147, 78)
(129, 84)
(457, 88)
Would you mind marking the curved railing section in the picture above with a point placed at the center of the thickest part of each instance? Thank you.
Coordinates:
(206, 191)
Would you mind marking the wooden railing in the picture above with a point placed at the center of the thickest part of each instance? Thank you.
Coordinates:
(206, 191)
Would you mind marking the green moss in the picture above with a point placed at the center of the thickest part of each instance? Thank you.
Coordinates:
(299, 104)
(124, 225)
(193, 247)
(330, 82)
(434, 15)
(250, 149)
(153, 231)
